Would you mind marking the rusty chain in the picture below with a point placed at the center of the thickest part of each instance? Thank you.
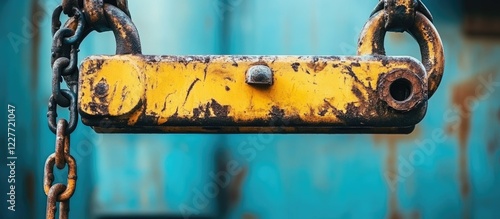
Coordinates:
(84, 16)
(64, 64)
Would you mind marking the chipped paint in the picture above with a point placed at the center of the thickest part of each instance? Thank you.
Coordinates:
(172, 92)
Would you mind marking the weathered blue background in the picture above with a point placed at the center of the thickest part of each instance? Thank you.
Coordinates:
(449, 168)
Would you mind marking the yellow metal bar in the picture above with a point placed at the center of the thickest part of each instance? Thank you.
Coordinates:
(331, 94)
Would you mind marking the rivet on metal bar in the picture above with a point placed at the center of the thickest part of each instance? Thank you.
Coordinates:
(259, 75)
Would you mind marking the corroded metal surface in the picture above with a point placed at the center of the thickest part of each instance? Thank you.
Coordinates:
(372, 38)
(209, 94)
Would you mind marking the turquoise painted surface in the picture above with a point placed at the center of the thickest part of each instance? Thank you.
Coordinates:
(449, 167)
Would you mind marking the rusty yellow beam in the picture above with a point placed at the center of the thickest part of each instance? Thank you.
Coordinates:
(185, 94)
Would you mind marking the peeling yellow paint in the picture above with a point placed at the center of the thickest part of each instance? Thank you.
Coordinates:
(311, 89)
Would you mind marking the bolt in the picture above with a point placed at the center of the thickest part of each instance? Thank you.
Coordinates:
(101, 90)
(259, 75)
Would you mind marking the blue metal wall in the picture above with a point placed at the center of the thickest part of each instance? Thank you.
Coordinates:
(448, 168)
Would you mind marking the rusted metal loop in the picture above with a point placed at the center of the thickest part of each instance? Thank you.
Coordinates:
(102, 16)
(400, 14)
(123, 5)
(57, 70)
(68, 6)
(78, 32)
(52, 111)
(56, 22)
(64, 210)
(59, 48)
(62, 143)
(96, 13)
(420, 7)
(67, 35)
(371, 42)
(48, 177)
(425, 11)
(54, 191)
(73, 62)
(126, 34)
(94, 10)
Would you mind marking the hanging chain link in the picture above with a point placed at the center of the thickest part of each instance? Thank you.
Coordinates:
(66, 40)
(65, 43)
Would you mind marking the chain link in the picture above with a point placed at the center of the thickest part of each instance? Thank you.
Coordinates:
(85, 16)
(48, 179)
(62, 143)
(52, 114)
(68, 5)
(64, 60)
(52, 195)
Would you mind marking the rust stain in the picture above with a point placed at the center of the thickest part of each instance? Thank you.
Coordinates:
(391, 164)
(493, 146)
(37, 15)
(317, 66)
(249, 216)
(415, 215)
(296, 66)
(230, 195)
(236, 186)
(95, 66)
(465, 95)
(277, 114)
(450, 129)
(36, 10)
(190, 89)
(392, 142)
(220, 111)
(30, 185)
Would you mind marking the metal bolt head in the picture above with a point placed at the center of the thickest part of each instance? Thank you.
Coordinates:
(102, 88)
(259, 75)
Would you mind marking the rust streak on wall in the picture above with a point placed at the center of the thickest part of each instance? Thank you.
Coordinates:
(37, 13)
(415, 215)
(465, 96)
(393, 141)
(392, 171)
(249, 216)
(30, 185)
(493, 145)
(236, 187)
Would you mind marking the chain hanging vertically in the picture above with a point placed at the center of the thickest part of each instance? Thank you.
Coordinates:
(64, 60)
(85, 16)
